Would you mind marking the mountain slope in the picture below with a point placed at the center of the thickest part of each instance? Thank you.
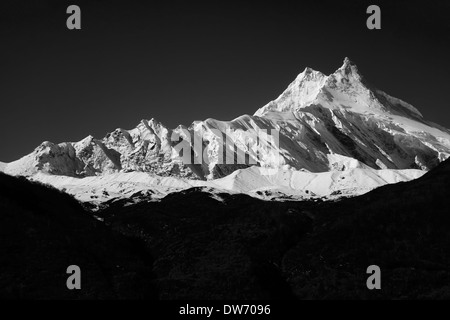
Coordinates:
(255, 181)
(238, 247)
(402, 228)
(43, 231)
(229, 246)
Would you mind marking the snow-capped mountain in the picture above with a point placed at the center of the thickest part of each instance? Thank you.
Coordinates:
(321, 124)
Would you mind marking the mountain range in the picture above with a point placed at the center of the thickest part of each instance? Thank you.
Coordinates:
(335, 135)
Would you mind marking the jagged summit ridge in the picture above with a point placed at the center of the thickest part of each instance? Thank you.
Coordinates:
(349, 68)
(345, 88)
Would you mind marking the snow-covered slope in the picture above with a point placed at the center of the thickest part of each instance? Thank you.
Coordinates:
(350, 182)
(319, 124)
(256, 181)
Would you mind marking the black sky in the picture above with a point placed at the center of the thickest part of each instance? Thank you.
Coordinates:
(180, 61)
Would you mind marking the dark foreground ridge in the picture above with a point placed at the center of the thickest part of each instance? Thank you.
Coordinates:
(230, 246)
(43, 231)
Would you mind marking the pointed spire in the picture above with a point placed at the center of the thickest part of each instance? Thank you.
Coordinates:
(349, 68)
(347, 62)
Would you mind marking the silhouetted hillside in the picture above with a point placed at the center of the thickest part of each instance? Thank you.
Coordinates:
(240, 247)
(215, 246)
(210, 249)
(43, 231)
(402, 228)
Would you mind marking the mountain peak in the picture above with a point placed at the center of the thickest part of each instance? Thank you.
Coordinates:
(348, 69)
(348, 62)
(345, 87)
(309, 74)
